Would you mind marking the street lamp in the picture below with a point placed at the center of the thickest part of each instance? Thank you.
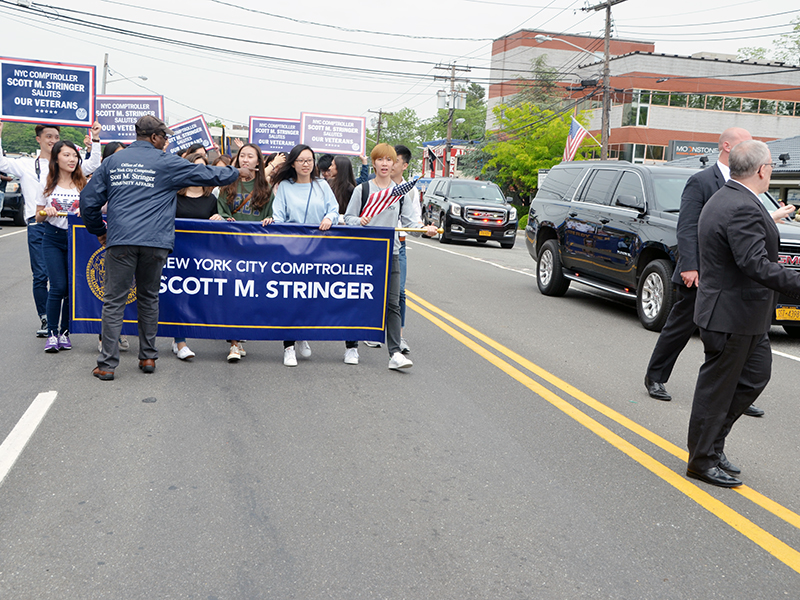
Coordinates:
(604, 56)
(107, 72)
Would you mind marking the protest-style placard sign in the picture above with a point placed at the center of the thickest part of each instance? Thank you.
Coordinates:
(118, 115)
(333, 134)
(274, 135)
(186, 133)
(35, 91)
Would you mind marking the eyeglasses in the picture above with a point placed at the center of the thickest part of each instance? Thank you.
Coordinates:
(305, 161)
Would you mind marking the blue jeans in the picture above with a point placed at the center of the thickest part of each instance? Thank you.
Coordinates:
(403, 269)
(54, 252)
(35, 235)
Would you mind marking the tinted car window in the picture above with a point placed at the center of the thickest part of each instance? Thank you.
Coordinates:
(630, 185)
(597, 190)
(476, 191)
(668, 189)
(560, 184)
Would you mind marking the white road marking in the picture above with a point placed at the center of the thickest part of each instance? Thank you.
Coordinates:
(583, 291)
(488, 262)
(19, 437)
(14, 232)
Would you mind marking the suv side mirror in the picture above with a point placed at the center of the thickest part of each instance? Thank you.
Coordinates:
(629, 201)
(509, 199)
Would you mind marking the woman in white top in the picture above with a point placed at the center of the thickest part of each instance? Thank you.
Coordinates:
(302, 197)
(61, 194)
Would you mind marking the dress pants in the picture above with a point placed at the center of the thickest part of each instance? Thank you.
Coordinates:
(393, 320)
(122, 263)
(736, 370)
(677, 332)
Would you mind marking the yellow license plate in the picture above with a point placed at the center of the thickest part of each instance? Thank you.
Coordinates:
(787, 313)
(485, 233)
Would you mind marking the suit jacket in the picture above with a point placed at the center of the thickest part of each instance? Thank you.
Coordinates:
(739, 245)
(700, 187)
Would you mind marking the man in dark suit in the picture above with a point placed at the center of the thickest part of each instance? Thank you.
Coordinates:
(680, 326)
(739, 245)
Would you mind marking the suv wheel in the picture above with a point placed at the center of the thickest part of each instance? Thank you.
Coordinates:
(443, 238)
(549, 278)
(656, 294)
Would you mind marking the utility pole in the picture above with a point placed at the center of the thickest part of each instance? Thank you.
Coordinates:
(105, 73)
(452, 108)
(380, 114)
(605, 131)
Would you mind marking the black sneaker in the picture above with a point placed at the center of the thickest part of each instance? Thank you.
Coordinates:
(42, 331)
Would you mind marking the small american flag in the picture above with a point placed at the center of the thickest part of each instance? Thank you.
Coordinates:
(380, 201)
(574, 139)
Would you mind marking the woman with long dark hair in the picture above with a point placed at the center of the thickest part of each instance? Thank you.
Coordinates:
(302, 197)
(342, 181)
(62, 193)
(246, 200)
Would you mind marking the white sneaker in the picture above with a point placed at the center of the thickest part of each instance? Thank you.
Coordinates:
(289, 358)
(372, 344)
(398, 361)
(241, 349)
(351, 356)
(185, 354)
(234, 355)
(303, 349)
(100, 346)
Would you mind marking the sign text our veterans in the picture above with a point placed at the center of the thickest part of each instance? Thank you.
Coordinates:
(245, 281)
(274, 135)
(46, 92)
(333, 134)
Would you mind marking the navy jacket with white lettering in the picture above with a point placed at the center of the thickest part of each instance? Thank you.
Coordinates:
(140, 185)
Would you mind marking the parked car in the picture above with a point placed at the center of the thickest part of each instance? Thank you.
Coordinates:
(612, 226)
(465, 209)
(14, 202)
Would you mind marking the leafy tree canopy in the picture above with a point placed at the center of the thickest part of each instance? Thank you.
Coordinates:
(785, 48)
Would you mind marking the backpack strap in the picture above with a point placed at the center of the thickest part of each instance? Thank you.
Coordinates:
(364, 196)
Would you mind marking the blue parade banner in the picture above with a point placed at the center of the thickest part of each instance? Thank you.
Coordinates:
(186, 133)
(228, 280)
(118, 115)
(334, 134)
(274, 135)
(46, 92)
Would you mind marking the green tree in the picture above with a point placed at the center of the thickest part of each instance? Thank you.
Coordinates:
(529, 138)
(541, 88)
(399, 127)
(785, 48)
(20, 138)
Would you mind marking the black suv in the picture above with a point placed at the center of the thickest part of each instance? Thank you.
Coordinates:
(14, 203)
(612, 225)
(466, 209)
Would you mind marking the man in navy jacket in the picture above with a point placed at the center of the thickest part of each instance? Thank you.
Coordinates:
(140, 185)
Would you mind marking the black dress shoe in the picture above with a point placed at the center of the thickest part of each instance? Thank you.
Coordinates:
(727, 465)
(715, 476)
(656, 390)
(753, 411)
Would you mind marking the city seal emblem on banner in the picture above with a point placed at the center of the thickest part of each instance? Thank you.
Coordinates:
(96, 273)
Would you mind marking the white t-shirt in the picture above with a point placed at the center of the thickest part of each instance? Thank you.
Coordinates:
(63, 200)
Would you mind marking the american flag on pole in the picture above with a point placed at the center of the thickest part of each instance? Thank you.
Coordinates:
(380, 201)
(574, 139)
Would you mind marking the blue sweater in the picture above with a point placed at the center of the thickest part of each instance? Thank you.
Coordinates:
(140, 185)
(305, 203)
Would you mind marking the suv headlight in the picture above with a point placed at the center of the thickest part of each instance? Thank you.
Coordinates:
(512, 214)
(455, 209)
(12, 186)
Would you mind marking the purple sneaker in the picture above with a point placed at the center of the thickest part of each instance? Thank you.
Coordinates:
(52, 344)
(63, 341)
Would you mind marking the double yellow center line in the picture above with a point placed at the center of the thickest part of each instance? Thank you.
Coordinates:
(743, 525)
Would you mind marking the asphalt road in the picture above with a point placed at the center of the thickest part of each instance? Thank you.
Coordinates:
(519, 458)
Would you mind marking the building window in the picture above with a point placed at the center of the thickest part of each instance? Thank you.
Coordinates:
(714, 102)
(636, 113)
(660, 98)
(785, 109)
(749, 105)
(677, 100)
(697, 101)
(732, 104)
(767, 107)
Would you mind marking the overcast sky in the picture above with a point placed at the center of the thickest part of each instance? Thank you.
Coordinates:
(298, 54)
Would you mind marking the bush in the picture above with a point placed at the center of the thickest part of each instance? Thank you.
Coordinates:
(523, 221)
